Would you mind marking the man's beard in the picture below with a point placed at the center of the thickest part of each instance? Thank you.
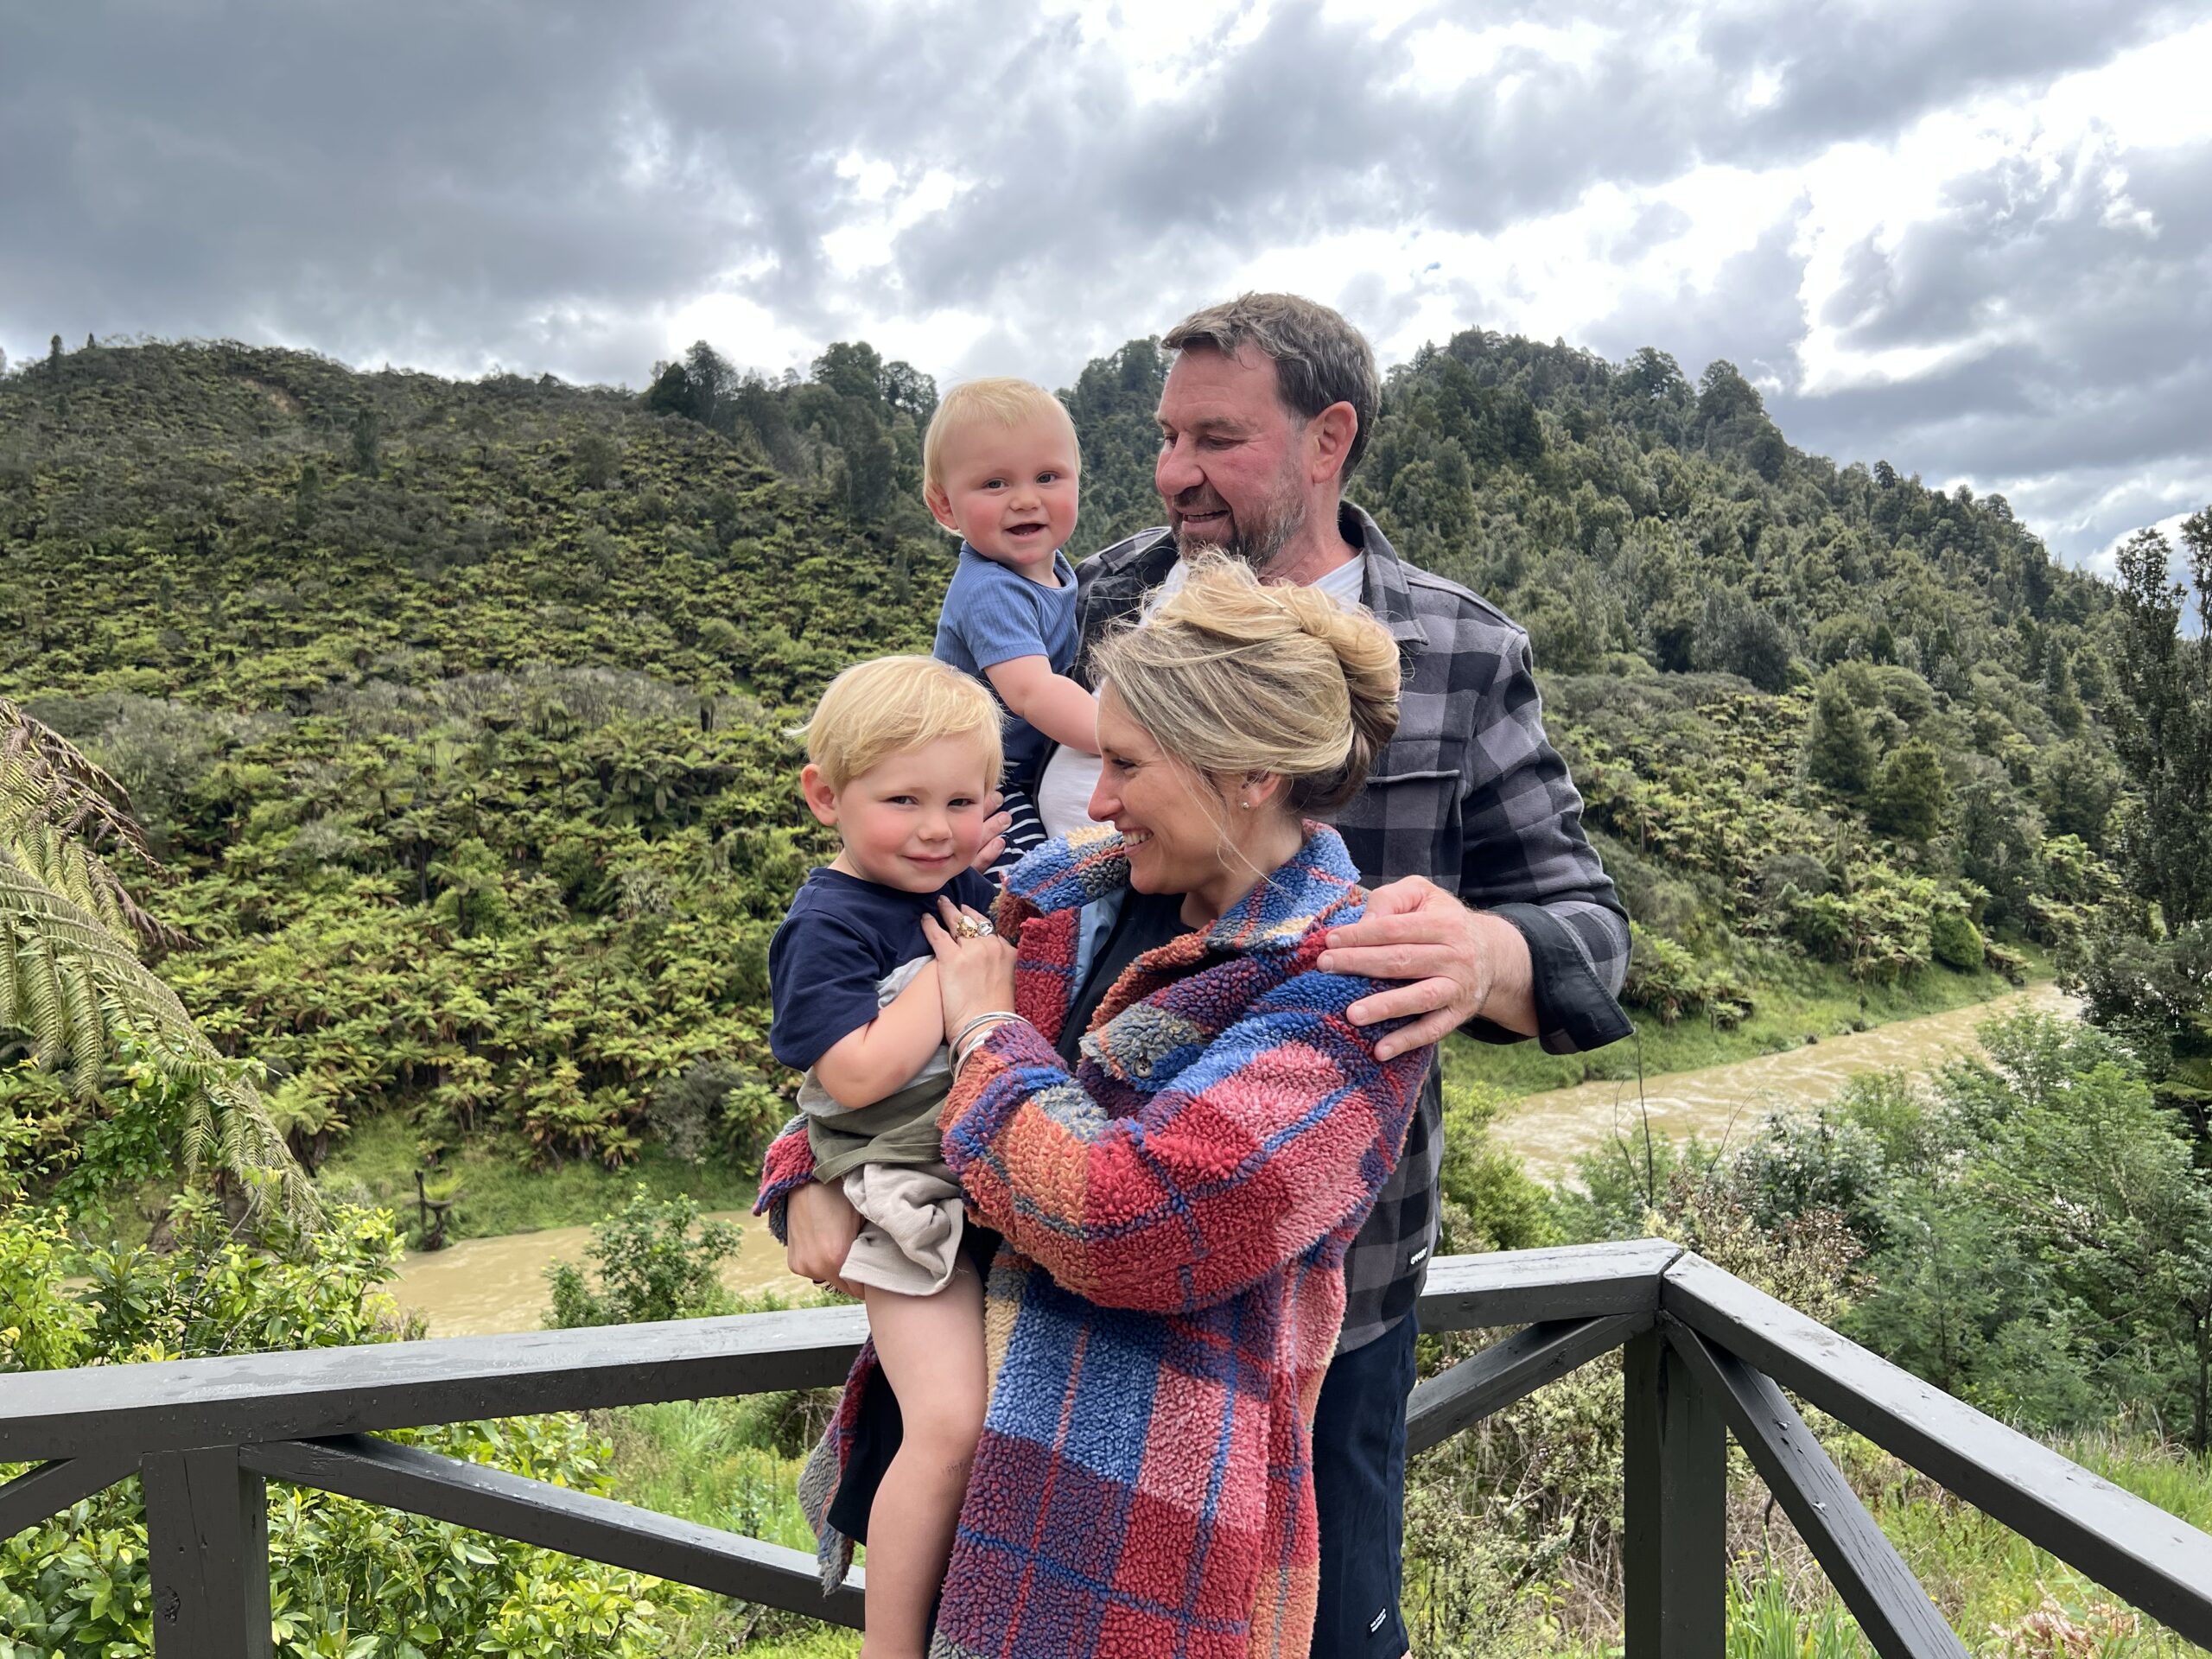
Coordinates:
(1258, 537)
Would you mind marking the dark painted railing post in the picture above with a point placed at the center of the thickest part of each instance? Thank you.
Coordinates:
(208, 1537)
(1674, 1459)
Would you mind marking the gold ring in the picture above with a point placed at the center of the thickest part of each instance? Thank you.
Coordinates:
(974, 927)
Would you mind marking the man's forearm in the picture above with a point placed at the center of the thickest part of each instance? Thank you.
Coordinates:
(1576, 953)
(1510, 999)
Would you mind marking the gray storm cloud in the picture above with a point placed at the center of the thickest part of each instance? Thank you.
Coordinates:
(546, 186)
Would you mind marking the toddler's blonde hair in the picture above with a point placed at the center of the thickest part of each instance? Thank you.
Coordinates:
(1000, 400)
(891, 704)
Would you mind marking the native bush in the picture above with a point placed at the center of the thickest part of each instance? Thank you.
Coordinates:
(345, 1577)
(650, 1266)
(471, 764)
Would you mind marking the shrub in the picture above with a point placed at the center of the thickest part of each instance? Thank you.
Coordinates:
(1489, 1203)
(345, 1577)
(1665, 978)
(651, 1266)
(1955, 941)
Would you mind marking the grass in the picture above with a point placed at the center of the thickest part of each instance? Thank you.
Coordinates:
(733, 1464)
(2006, 1598)
(1991, 1581)
(1795, 999)
(502, 1193)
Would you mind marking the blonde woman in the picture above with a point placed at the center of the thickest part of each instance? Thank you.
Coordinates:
(1175, 1160)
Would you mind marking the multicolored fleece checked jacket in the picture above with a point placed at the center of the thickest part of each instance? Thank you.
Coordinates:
(1157, 1322)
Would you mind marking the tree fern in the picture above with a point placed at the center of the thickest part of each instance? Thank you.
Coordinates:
(71, 980)
(58, 810)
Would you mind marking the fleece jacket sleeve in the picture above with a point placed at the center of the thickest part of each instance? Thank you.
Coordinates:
(1281, 1132)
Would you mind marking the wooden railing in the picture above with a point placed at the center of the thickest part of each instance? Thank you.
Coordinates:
(1708, 1356)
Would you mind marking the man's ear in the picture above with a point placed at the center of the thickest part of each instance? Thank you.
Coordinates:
(1328, 441)
(821, 799)
(940, 504)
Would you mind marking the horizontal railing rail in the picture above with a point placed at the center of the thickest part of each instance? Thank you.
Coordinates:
(1706, 1356)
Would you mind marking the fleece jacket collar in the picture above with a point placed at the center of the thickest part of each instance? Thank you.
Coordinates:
(1274, 916)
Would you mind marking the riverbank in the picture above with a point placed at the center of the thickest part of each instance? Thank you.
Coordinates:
(1720, 1105)
(496, 1281)
(1793, 1000)
(504, 1192)
(481, 1286)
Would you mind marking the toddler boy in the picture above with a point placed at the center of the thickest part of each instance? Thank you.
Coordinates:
(901, 755)
(1000, 467)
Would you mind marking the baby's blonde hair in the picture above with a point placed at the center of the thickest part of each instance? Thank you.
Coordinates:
(889, 705)
(1233, 676)
(1000, 400)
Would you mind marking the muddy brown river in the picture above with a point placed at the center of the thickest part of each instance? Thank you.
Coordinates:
(484, 1285)
(480, 1285)
(1724, 1104)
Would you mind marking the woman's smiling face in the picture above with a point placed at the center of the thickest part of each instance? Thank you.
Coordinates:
(1172, 818)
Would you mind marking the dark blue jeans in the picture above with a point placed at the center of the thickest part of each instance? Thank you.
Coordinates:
(1359, 1489)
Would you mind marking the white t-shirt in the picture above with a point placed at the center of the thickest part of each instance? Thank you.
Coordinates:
(1064, 792)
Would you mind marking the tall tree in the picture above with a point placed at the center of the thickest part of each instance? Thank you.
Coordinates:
(1838, 751)
(368, 442)
(1910, 795)
(2161, 720)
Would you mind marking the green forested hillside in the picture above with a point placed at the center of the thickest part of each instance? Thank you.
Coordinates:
(456, 709)
(456, 716)
(1887, 681)
(452, 708)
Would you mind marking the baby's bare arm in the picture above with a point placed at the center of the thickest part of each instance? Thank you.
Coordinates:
(1051, 702)
(863, 1066)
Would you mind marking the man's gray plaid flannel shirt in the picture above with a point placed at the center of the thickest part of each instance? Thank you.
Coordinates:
(1471, 795)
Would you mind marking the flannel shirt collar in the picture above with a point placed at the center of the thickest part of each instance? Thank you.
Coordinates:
(1145, 559)
(1274, 916)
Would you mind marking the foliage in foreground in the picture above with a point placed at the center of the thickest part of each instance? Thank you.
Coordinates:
(75, 999)
(2026, 1230)
(348, 1581)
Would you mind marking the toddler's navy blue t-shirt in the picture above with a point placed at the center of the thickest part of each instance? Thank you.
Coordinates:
(841, 936)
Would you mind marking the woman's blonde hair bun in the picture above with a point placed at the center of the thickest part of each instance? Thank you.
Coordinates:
(1232, 675)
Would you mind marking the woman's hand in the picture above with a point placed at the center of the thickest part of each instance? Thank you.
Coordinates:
(974, 972)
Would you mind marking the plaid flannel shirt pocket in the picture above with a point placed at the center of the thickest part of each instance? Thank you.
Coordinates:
(1412, 813)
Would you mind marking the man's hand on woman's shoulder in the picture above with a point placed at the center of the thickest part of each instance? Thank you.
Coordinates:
(1456, 964)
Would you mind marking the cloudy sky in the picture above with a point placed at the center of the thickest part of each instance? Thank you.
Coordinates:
(1972, 237)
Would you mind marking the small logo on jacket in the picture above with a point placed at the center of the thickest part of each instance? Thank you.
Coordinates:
(1376, 1623)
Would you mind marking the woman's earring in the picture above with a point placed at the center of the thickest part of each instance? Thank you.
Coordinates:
(1247, 805)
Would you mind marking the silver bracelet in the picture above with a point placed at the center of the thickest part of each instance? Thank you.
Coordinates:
(963, 1053)
(987, 1017)
(966, 1050)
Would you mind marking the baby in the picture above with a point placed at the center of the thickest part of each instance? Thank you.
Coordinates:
(901, 754)
(1000, 466)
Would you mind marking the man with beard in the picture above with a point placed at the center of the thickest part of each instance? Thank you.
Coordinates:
(1489, 907)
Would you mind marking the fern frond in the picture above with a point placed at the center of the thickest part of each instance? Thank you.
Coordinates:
(57, 809)
(78, 991)
(84, 798)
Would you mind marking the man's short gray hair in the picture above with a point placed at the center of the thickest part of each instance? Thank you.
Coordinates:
(1320, 358)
